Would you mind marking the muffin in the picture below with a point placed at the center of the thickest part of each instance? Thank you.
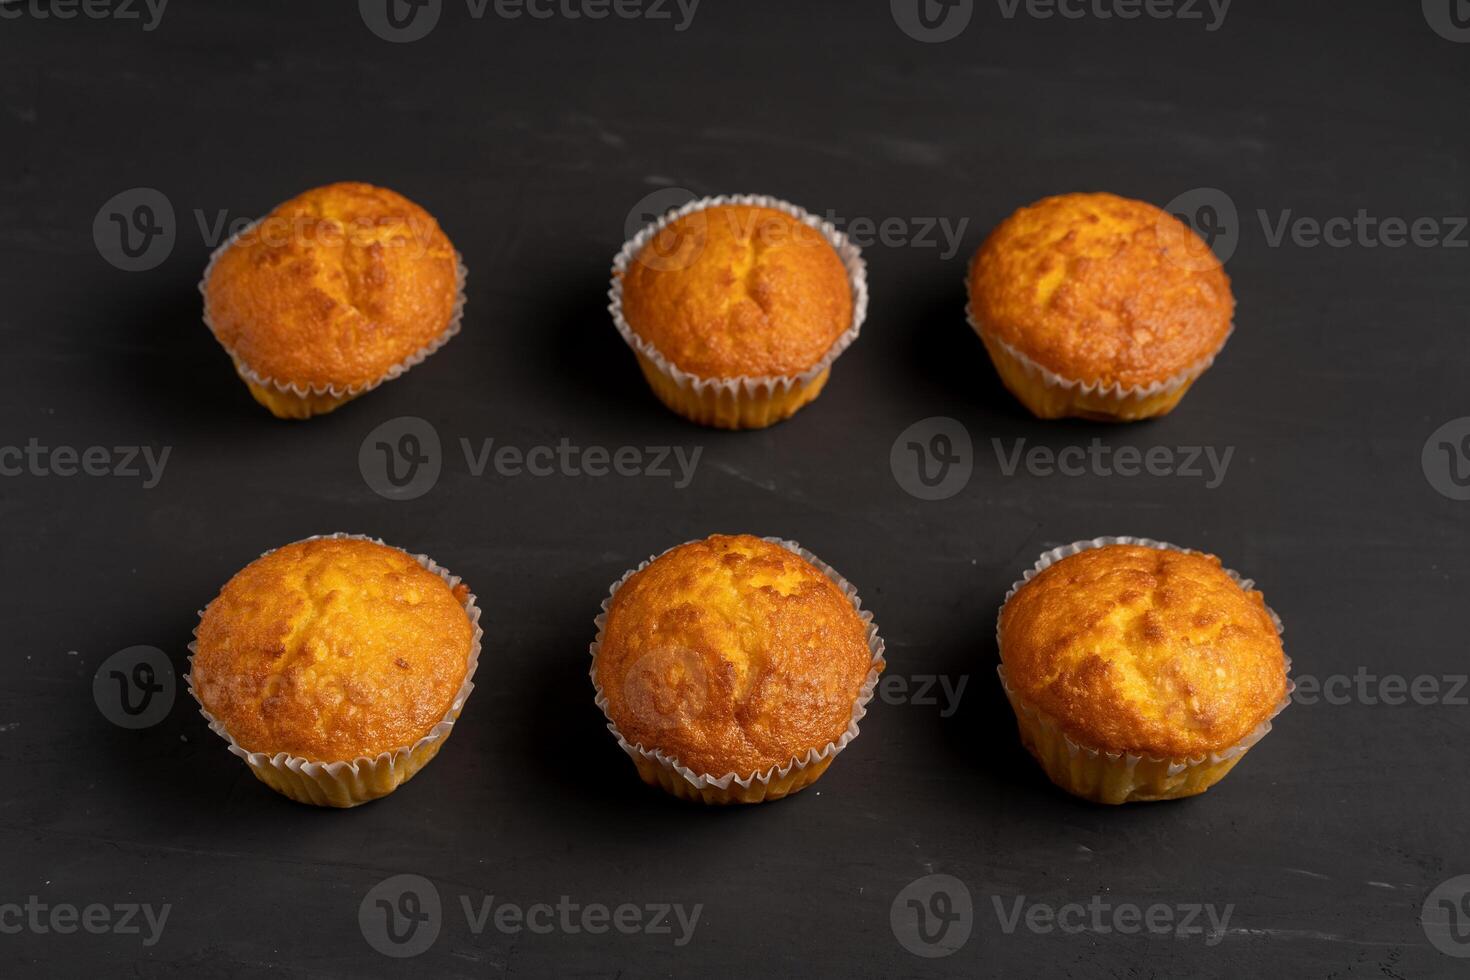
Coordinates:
(1139, 671)
(336, 667)
(331, 294)
(1099, 307)
(737, 307)
(735, 668)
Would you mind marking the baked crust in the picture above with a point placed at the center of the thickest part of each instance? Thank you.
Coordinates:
(332, 649)
(735, 290)
(1143, 650)
(731, 654)
(1102, 289)
(334, 287)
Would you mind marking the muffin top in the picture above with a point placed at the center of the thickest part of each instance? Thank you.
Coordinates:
(1100, 288)
(332, 649)
(1144, 650)
(731, 654)
(334, 287)
(732, 291)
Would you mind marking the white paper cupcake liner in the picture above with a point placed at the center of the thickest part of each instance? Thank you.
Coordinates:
(1131, 759)
(761, 385)
(249, 374)
(700, 781)
(362, 778)
(1115, 390)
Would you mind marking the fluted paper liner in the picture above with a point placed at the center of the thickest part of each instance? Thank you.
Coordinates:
(741, 391)
(1115, 392)
(339, 393)
(1118, 777)
(664, 770)
(355, 781)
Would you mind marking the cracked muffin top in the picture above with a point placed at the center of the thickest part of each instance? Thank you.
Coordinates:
(335, 287)
(1102, 289)
(1144, 650)
(332, 648)
(732, 654)
(735, 290)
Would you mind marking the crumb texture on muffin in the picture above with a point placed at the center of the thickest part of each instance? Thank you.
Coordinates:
(1137, 649)
(738, 291)
(334, 287)
(732, 654)
(1102, 289)
(332, 649)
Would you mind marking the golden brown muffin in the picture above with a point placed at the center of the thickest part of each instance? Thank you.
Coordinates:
(734, 291)
(1108, 294)
(733, 655)
(332, 649)
(1134, 649)
(332, 293)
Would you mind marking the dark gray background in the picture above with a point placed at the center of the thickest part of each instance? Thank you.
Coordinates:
(531, 141)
